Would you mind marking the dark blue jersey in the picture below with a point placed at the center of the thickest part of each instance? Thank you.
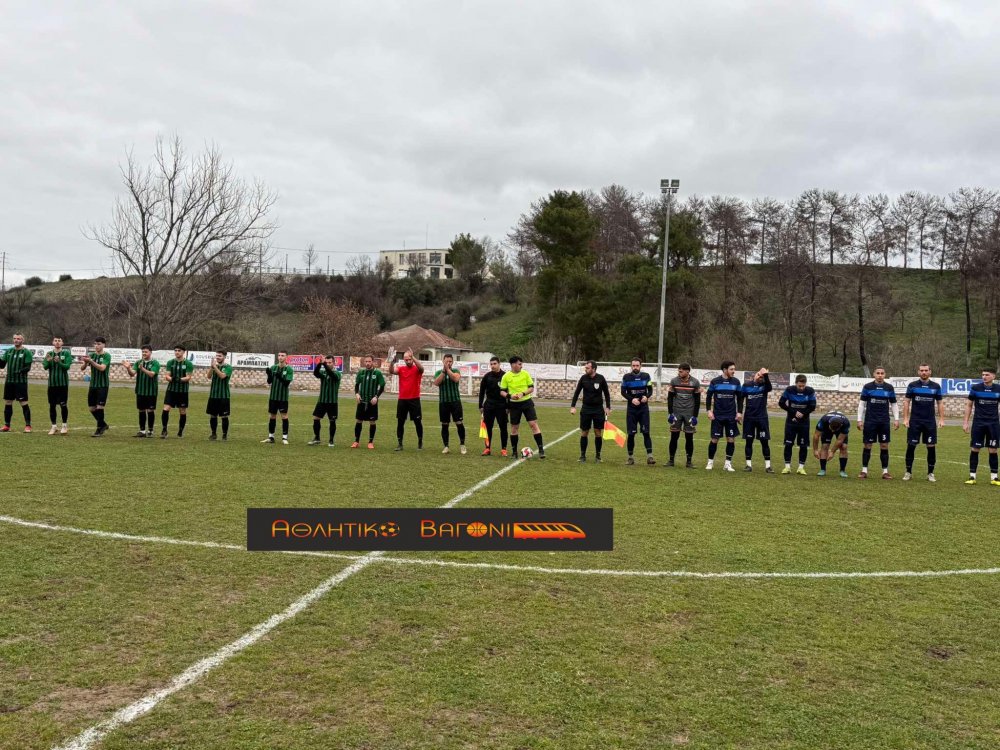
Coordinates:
(923, 396)
(755, 399)
(877, 399)
(724, 397)
(985, 402)
(793, 400)
(636, 385)
(823, 425)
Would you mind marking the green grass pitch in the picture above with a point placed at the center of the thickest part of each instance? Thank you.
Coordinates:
(423, 656)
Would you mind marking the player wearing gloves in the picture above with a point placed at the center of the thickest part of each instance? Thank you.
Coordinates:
(683, 402)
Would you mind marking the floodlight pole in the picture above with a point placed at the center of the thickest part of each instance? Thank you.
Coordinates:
(668, 188)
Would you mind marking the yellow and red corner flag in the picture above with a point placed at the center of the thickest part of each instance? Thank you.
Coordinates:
(482, 432)
(613, 433)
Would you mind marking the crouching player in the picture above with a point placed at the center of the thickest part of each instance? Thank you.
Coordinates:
(832, 431)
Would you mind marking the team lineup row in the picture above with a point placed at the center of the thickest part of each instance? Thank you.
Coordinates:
(507, 397)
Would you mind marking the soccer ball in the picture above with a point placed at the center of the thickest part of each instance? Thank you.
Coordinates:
(527, 453)
(388, 529)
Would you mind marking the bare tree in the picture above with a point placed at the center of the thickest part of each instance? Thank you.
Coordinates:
(620, 229)
(337, 327)
(970, 207)
(309, 257)
(192, 234)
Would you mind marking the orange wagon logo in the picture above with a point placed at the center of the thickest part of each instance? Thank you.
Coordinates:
(548, 531)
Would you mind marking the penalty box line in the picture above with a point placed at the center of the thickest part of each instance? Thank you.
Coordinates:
(93, 735)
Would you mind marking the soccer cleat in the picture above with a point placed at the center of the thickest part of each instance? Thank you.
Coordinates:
(970, 481)
(420, 445)
(582, 460)
(65, 430)
(213, 436)
(314, 441)
(225, 436)
(355, 444)
(995, 482)
(269, 439)
(97, 433)
(787, 470)
(907, 476)
(597, 458)
(27, 428)
(284, 439)
(139, 434)
(541, 453)
(768, 470)
(5, 428)
(843, 474)
(821, 473)
(486, 452)
(371, 446)
(463, 450)
(886, 475)
(163, 436)
(331, 445)
(747, 468)
(650, 461)
(689, 464)
(446, 450)
(863, 475)
(728, 467)
(801, 470)
(670, 463)
(398, 448)
(503, 453)
(931, 478)
(630, 461)
(709, 465)
(54, 430)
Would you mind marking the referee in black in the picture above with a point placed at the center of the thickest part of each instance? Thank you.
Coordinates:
(596, 408)
(493, 407)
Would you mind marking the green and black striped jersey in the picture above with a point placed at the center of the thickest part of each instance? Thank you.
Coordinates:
(100, 378)
(368, 384)
(329, 384)
(17, 363)
(220, 386)
(448, 390)
(146, 385)
(280, 377)
(58, 364)
(177, 369)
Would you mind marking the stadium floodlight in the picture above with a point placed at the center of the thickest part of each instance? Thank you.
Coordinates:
(667, 187)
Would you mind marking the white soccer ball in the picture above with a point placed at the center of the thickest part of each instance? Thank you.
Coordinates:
(527, 453)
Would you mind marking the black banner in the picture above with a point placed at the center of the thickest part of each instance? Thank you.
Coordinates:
(430, 529)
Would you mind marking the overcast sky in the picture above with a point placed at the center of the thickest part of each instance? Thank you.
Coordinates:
(380, 123)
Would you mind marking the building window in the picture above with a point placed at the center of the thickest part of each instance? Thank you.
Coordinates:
(435, 272)
(448, 272)
(423, 258)
(402, 259)
(447, 259)
(435, 259)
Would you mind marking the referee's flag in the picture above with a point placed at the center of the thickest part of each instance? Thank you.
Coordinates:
(613, 433)
(482, 432)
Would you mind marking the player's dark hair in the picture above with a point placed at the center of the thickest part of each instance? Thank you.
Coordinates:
(282, 351)
(182, 348)
(515, 358)
(836, 423)
(879, 368)
(223, 352)
(593, 364)
(146, 348)
(800, 378)
(368, 356)
(448, 356)
(923, 364)
(990, 370)
(684, 366)
(726, 364)
(495, 359)
(636, 359)
(100, 340)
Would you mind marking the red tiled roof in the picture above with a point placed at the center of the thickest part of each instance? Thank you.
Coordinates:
(414, 337)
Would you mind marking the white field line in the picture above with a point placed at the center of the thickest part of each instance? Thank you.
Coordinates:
(90, 737)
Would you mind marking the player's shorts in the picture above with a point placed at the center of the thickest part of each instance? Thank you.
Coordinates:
(925, 432)
(175, 400)
(409, 408)
(277, 407)
(15, 391)
(757, 428)
(325, 410)
(58, 395)
(985, 435)
(637, 419)
(495, 413)
(797, 433)
(366, 412)
(592, 419)
(682, 423)
(827, 437)
(217, 407)
(145, 403)
(97, 397)
(450, 410)
(522, 409)
(879, 432)
(724, 427)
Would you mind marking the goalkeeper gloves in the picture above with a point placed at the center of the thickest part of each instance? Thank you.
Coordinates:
(671, 419)
(693, 421)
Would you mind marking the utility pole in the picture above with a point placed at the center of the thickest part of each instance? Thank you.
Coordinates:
(667, 188)
(3, 272)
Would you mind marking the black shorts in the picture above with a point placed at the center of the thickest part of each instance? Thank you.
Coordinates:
(15, 391)
(175, 400)
(525, 409)
(592, 419)
(325, 410)
(366, 412)
(925, 432)
(97, 397)
(493, 414)
(450, 410)
(725, 427)
(145, 403)
(637, 419)
(277, 407)
(826, 438)
(876, 432)
(797, 433)
(985, 435)
(757, 428)
(409, 407)
(217, 407)
(58, 395)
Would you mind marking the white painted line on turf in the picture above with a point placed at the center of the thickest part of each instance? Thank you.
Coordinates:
(90, 737)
